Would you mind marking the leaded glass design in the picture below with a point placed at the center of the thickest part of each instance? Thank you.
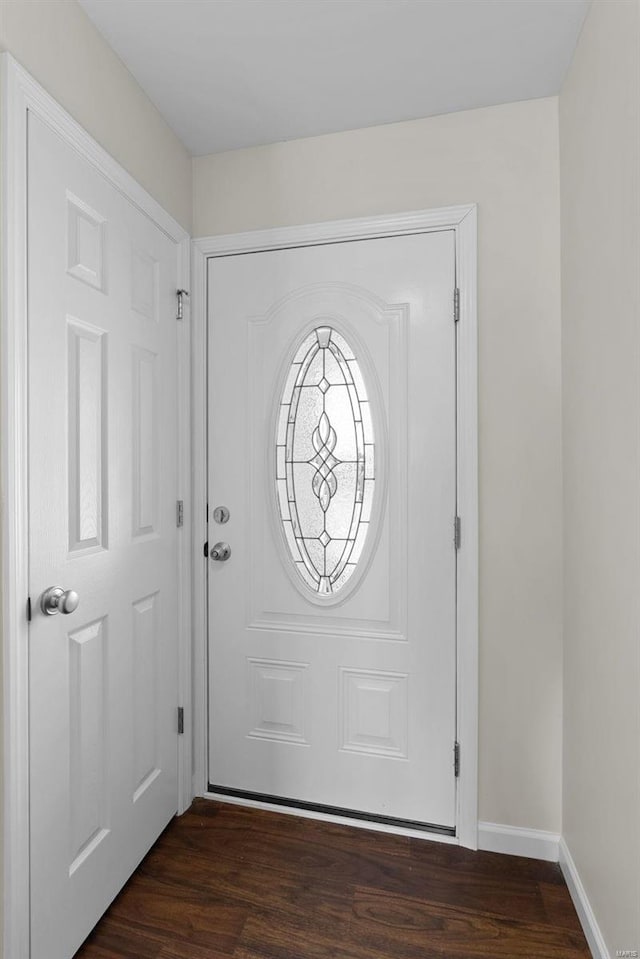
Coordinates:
(325, 461)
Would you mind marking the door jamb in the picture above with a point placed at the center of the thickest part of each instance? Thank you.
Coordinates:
(463, 221)
(21, 94)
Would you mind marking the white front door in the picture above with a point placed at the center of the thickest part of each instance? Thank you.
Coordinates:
(102, 493)
(332, 444)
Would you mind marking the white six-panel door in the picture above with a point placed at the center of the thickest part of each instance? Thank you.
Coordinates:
(102, 491)
(332, 443)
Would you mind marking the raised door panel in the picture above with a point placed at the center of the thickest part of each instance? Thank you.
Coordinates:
(145, 271)
(89, 746)
(87, 418)
(277, 698)
(86, 254)
(374, 707)
(145, 694)
(145, 442)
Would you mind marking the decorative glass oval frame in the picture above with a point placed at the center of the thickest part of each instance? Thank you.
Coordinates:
(323, 466)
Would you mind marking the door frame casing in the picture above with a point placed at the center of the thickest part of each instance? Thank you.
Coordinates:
(463, 221)
(22, 95)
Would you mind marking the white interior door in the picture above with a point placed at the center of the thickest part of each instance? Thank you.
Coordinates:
(102, 491)
(332, 443)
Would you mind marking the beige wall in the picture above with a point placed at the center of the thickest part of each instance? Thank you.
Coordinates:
(505, 159)
(57, 43)
(600, 171)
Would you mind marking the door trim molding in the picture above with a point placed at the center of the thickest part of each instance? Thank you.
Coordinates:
(21, 94)
(463, 221)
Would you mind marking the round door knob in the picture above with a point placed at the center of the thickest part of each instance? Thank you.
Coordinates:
(220, 552)
(58, 600)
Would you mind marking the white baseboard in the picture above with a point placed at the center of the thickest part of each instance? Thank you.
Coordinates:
(516, 841)
(586, 914)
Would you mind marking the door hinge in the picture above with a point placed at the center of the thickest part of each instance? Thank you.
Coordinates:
(179, 512)
(180, 720)
(180, 311)
(28, 609)
(457, 524)
(456, 305)
(456, 759)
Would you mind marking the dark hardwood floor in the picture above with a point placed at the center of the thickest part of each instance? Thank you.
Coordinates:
(224, 882)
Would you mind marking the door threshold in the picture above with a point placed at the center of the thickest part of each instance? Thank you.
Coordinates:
(349, 817)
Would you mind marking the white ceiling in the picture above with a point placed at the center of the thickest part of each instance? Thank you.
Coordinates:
(236, 73)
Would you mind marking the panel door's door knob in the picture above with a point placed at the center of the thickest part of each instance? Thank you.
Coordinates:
(58, 600)
(220, 552)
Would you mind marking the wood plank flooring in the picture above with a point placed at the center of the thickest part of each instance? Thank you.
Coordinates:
(223, 881)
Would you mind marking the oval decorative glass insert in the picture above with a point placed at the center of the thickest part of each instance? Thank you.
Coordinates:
(325, 461)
